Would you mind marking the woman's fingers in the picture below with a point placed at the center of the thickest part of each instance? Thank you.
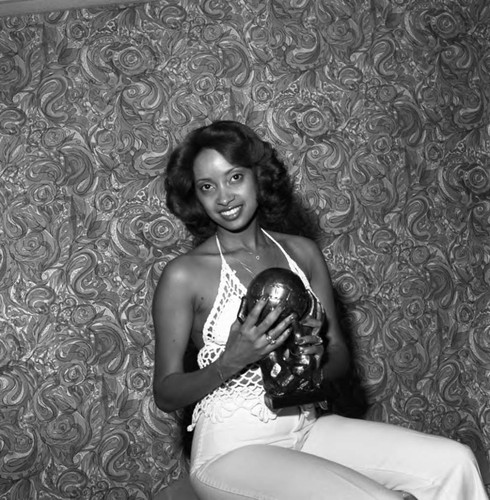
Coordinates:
(249, 318)
(254, 315)
(312, 322)
(309, 345)
(306, 340)
(269, 333)
(273, 342)
(271, 319)
(311, 350)
(277, 336)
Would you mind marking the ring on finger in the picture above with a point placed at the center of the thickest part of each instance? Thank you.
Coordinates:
(270, 339)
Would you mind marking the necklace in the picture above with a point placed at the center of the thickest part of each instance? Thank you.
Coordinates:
(248, 269)
(256, 255)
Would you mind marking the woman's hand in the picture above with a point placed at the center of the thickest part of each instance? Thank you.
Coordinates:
(310, 340)
(249, 341)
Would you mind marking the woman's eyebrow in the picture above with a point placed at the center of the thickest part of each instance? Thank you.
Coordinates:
(227, 172)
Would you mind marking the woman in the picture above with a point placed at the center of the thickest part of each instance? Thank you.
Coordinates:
(231, 191)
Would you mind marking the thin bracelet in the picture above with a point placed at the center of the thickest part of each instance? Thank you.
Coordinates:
(220, 373)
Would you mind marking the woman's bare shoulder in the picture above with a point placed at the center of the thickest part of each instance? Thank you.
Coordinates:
(185, 269)
(297, 245)
(304, 251)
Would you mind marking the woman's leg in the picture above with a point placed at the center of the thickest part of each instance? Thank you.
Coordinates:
(268, 472)
(243, 457)
(429, 467)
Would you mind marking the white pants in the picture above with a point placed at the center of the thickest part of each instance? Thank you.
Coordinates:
(298, 456)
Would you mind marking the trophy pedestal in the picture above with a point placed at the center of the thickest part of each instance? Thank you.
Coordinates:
(275, 402)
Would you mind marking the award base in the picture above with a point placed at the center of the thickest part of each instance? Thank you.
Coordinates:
(275, 402)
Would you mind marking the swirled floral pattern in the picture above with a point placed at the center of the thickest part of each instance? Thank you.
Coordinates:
(380, 111)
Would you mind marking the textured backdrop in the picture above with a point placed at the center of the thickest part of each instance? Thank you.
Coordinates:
(380, 108)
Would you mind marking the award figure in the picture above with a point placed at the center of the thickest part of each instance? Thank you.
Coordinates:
(290, 377)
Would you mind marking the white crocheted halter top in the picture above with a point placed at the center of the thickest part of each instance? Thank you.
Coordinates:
(244, 390)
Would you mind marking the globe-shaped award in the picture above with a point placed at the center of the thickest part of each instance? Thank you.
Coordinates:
(290, 377)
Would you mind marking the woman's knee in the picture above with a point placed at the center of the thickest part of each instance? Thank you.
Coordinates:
(462, 457)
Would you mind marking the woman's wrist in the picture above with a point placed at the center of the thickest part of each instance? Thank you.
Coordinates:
(219, 369)
(223, 368)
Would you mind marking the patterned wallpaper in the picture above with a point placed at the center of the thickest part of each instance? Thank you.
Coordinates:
(380, 108)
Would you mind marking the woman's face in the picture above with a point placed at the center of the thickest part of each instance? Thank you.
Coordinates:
(228, 193)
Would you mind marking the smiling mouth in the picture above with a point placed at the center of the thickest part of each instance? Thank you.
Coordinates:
(231, 213)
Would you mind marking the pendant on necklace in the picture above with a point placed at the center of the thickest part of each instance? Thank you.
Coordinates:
(257, 257)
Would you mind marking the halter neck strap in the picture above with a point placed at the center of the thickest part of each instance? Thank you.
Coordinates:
(218, 244)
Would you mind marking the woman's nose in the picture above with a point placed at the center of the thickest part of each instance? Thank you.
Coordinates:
(225, 196)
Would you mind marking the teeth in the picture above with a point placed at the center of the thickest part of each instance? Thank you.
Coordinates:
(229, 213)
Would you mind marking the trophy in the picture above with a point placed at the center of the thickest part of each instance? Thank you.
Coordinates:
(290, 377)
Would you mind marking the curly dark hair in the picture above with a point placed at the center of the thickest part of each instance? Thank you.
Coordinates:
(241, 146)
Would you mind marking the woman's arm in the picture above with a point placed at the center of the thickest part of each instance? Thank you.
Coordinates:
(173, 313)
(337, 356)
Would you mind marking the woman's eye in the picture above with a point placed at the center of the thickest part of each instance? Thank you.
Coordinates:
(205, 187)
(237, 177)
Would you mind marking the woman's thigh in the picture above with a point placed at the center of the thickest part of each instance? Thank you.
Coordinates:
(270, 472)
(213, 439)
